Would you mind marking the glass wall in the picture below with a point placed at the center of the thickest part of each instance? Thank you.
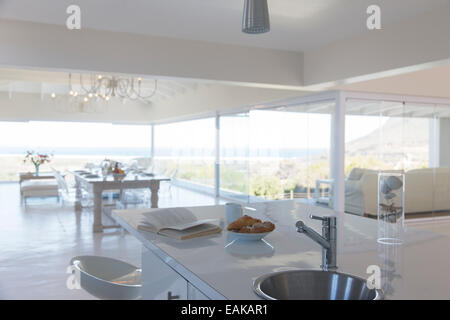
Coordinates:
(234, 154)
(289, 151)
(387, 136)
(186, 150)
(397, 137)
(278, 153)
(72, 144)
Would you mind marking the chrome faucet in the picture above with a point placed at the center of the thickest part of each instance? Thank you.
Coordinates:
(327, 240)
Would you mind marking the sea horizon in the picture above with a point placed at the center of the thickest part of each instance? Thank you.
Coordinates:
(164, 152)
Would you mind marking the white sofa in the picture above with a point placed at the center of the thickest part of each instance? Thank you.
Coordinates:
(426, 190)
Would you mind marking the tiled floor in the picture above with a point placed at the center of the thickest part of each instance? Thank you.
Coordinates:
(38, 241)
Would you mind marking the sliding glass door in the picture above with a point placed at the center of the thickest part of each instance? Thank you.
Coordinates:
(186, 151)
(234, 156)
(279, 153)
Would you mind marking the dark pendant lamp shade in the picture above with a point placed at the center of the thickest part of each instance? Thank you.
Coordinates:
(256, 17)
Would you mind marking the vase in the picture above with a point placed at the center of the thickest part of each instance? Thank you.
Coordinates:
(36, 166)
(391, 208)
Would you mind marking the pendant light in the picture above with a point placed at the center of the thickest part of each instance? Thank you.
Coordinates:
(256, 17)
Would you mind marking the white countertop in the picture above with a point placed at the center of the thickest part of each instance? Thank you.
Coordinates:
(420, 264)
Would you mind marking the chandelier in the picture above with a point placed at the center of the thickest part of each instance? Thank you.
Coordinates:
(105, 88)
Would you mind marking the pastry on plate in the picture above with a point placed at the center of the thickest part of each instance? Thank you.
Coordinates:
(263, 227)
(244, 221)
(247, 224)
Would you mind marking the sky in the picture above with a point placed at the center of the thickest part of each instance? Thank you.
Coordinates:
(73, 134)
(260, 129)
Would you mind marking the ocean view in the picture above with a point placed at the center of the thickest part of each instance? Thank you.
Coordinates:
(165, 152)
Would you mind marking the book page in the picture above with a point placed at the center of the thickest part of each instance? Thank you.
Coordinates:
(193, 232)
(189, 225)
(166, 218)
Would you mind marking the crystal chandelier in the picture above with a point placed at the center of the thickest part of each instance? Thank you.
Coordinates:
(105, 88)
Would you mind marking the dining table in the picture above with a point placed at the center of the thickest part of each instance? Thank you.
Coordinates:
(96, 183)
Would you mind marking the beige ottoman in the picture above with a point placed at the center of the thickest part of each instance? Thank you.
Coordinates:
(38, 188)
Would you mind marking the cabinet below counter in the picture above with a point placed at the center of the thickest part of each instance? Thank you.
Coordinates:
(161, 282)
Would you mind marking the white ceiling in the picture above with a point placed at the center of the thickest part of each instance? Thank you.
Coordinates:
(296, 25)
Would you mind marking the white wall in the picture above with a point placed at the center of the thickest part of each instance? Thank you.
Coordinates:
(209, 99)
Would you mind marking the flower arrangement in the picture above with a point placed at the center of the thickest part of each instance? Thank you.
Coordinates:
(111, 167)
(37, 159)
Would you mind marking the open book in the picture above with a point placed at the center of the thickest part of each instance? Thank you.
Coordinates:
(177, 223)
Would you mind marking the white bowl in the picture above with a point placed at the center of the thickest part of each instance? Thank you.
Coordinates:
(249, 236)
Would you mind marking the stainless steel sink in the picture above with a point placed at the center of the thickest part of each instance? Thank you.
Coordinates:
(313, 285)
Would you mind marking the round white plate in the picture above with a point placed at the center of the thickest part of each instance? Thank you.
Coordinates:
(91, 176)
(241, 248)
(148, 174)
(249, 236)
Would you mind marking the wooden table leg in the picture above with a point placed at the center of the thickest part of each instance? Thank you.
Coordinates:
(98, 227)
(154, 188)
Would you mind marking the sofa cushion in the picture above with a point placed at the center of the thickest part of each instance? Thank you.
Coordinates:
(355, 174)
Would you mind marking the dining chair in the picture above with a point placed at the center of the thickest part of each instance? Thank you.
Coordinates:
(172, 177)
(144, 163)
(134, 198)
(68, 195)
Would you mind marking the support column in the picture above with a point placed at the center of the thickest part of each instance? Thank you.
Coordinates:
(434, 142)
(337, 154)
(337, 166)
(152, 147)
(217, 160)
(444, 142)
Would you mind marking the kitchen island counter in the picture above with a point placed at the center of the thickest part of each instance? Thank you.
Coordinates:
(221, 268)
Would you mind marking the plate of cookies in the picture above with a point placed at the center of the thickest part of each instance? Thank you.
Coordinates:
(249, 228)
